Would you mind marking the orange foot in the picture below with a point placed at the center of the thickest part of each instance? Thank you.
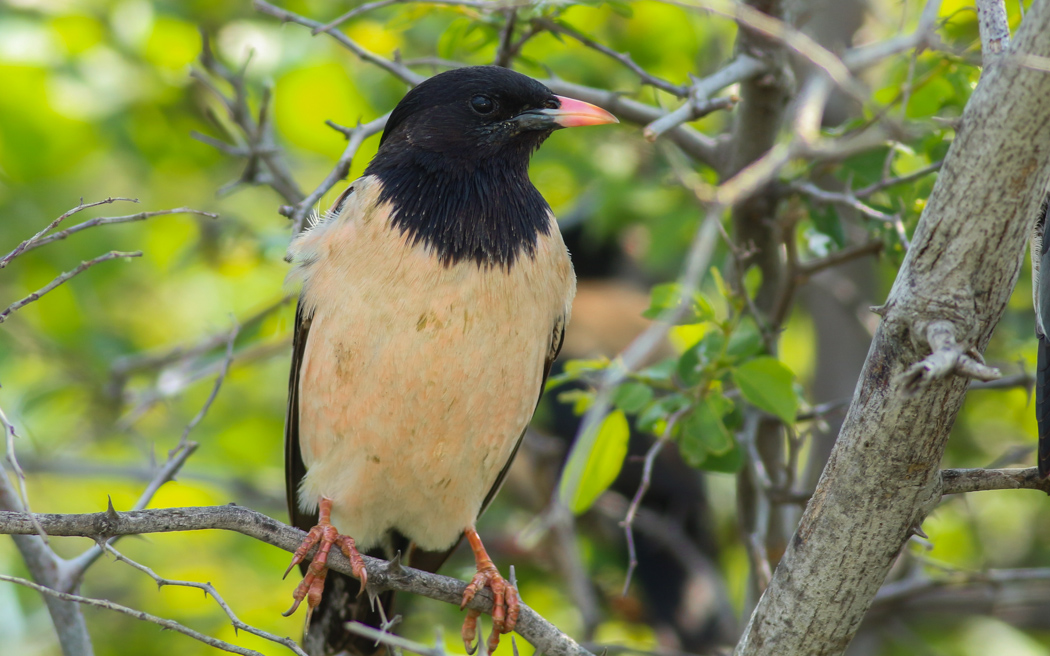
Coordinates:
(505, 607)
(312, 585)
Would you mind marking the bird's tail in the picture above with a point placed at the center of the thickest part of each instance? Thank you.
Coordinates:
(1042, 403)
(340, 603)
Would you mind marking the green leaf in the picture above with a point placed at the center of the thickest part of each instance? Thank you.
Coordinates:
(704, 353)
(595, 463)
(745, 341)
(660, 372)
(632, 396)
(668, 296)
(581, 400)
(574, 370)
(766, 384)
(653, 418)
(701, 432)
(729, 462)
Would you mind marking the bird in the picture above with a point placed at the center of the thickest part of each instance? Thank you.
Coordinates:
(434, 298)
(1041, 302)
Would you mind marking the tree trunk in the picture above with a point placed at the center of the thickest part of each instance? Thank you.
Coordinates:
(882, 477)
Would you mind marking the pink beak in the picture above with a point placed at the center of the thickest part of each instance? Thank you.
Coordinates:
(574, 113)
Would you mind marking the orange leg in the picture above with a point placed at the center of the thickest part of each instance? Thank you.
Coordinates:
(326, 535)
(505, 606)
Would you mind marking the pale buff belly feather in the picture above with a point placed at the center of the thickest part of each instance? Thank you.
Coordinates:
(417, 379)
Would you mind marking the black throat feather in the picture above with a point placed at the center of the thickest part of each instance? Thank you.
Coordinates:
(484, 210)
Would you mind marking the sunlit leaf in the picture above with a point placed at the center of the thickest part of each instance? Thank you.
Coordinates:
(595, 463)
(767, 384)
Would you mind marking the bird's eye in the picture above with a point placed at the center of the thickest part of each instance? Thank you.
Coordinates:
(551, 103)
(482, 104)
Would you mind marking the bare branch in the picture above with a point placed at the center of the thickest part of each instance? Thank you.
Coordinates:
(128, 365)
(396, 69)
(505, 50)
(624, 58)
(138, 614)
(692, 142)
(486, 5)
(45, 566)
(397, 642)
(643, 487)
(847, 199)
(994, 29)
(32, 242)
(808, 269)
(381, 575)
(783, 33)
(861, 57)
(743, 67)
(904, 179)
(183, 441)
(355, 137)
(18, 305)
(960, 481)
(257, 135)
(141, 216)
(904, 589)
(209, 590)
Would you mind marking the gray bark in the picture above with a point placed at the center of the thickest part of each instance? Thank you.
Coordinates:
(883, 478)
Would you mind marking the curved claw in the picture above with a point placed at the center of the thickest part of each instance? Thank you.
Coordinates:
(324, 536)
(506, 604)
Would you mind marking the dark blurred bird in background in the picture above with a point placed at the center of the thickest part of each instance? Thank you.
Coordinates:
(435, 297)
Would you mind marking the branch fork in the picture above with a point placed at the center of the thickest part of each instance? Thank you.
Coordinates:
(947, 357)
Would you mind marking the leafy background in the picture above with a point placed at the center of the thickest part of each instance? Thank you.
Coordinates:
(96, 101)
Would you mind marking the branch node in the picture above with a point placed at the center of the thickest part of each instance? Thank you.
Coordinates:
(947, 357)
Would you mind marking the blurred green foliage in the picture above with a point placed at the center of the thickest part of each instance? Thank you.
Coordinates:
(96, 101)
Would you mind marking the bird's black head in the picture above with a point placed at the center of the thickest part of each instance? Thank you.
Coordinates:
(453, 161)
(482, 111)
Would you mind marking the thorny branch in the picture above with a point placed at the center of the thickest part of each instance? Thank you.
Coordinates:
(381, 575)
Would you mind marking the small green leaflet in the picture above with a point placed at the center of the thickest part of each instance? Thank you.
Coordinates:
(595, 463)
(766, 384)
(668, 296)
(632, 396)
(702, 433)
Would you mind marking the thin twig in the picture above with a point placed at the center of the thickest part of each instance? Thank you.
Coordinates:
(112, 220)
(396, 69)
(18, 305)
(31, 243)
(743, 67)
(138, 614)
(864, 192)
(183, 441)
(677, 90)
(838, 198)
(209, 590)
(643, 487)
(355, 137)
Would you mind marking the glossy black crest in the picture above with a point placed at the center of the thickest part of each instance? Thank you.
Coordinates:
(455, 166)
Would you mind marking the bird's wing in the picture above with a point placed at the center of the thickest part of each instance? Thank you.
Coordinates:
(294, 469)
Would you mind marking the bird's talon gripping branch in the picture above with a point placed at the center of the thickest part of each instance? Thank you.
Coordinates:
(505, 603)
(324, 536)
